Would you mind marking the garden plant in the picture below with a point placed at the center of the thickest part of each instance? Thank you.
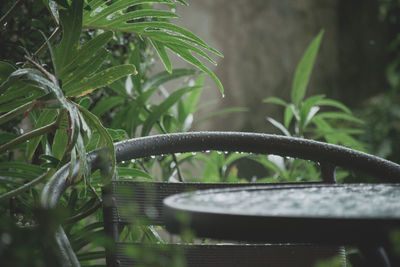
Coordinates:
(78, 75)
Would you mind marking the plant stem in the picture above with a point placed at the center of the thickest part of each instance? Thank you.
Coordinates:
(52, 37)
(23, 188)
(173, 155)
(49, 76)
(23, 138)
(9, 13)
(15, 112)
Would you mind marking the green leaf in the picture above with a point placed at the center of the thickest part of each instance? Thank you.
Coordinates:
(159, 31)
(288, 116)
(279, 126)
(304, 69)
(22, 167)
(45, 118)
(193, 97)
(117, 134)
(101, 79)
(160, 48)
(71, 21)
(85, 70)
(308, 109)
(263, 160)
(163, 108)
(140, 14)
(60, 143)
(339, 115)
(106, 104)
(5, 70)
(275, 100)
(53, 8)
(85, 102)
(84, 54)
(333, 103)
(105, 138)
(92, 255)
(128, 172)
(187, 55)
(164, 76)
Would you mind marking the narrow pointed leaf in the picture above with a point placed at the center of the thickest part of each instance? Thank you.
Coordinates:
(101, 79)
(275, 100)
(162, 53)
(105, 137)
(334, 103)
(5, 70)
(106, 104)
(125, 172)
(304, 69)
(279, 126)
(85, 70)
(59, 144)
(194, 61)
(164, 76)
(45, 118)
(163, 107)
(288, 116)
(85, 53)
(71, 20)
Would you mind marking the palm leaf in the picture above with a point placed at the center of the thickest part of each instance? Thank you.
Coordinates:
(162, 34)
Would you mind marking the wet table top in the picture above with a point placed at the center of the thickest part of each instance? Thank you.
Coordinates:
(333, 214)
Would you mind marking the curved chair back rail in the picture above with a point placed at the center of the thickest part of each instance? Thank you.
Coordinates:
(327, 155)
(323, 153)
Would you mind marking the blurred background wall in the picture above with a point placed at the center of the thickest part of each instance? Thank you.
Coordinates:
(263, 41)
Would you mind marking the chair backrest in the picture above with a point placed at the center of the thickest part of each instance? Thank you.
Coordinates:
(328, 156)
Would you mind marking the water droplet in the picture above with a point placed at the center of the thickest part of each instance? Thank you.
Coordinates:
(223, 95)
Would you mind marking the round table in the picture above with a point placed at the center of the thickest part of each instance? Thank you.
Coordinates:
(350, 214)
